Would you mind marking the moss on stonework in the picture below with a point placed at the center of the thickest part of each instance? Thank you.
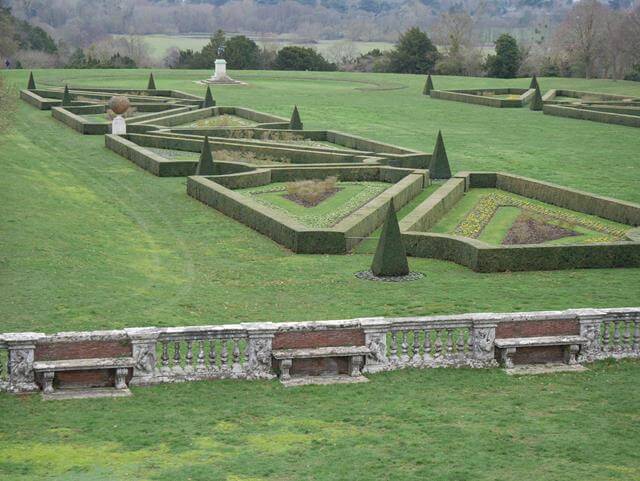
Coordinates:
(390, 258)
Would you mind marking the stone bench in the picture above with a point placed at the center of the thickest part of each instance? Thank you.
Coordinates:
(47, 370)
(355, 356)
(508, 347)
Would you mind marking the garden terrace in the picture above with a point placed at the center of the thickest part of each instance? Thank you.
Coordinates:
(489, 97)
(501, 222)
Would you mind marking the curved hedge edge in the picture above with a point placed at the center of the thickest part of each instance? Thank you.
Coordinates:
(78, 123)
(482, 257)
(577, 200)
(434, 207)
(583, 114)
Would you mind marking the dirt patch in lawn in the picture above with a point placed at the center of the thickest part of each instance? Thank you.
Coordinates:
(529, 230)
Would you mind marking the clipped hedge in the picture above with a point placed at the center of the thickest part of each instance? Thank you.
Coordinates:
(434, 207)
(588, 114)
(475, 96)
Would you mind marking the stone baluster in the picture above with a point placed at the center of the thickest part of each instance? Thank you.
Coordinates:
(483, 333)
(224, 355)
(165, 355)
(143, 348)
(636, 336)
(236, 366)
(627, 336)
(213, 363)
(405, 348)
(188, 364)
(427, 346)
(416, 358)
(460, 344)
(469, 334)
(375, 338)
(616, 336)
(605, 336)
(201, 361)
(22, 348)
(437, 346)
(259, 348)
(449, 342)
(393, 350)
(176, 367)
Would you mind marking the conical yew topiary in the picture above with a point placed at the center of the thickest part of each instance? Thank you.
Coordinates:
(534, 82)
(428, 86)
(205, 164)
(66, 97)
(208, 99)
(295, 123)
(151, 85)
(32, 83)
(536, 101)
(439, 165)
(391, 257)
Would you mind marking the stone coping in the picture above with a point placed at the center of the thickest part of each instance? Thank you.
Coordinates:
(83, 364)
(539, 341)
(332, 351)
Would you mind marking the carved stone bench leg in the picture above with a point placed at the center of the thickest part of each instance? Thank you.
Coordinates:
(47, 382)
(355, 364)
(285, 366)
(121, 378)
(506, 357)
(571, 354)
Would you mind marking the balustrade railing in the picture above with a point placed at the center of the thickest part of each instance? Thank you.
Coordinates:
(243, 351)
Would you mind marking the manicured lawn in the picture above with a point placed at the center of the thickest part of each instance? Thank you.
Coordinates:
(89, 241)
(441, 424)
(93, 242)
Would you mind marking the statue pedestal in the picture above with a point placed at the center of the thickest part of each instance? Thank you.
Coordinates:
(220, 75)
(119, 126)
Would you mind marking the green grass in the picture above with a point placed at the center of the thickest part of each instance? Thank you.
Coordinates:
(93, 242)
(440, 424)
(350, 197)
(89, 241)
(500, 224)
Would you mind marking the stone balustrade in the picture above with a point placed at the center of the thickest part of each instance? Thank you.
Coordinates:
(244, 351)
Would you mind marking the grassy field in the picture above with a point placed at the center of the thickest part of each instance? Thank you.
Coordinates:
(89, 241)
(93, 242)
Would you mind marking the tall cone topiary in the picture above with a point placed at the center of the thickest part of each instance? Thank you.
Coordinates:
(428, 86)
(208, 99)
(534, 82)
(66, 97)
(536, 102)
(295, 123)
(439, 165)
(151, 85)
(391, 257)
(205, 164)
(32, 83)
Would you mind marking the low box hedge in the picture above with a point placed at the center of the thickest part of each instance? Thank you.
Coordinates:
(588, 114)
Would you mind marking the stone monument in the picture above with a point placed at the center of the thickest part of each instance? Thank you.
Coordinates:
(220, 72)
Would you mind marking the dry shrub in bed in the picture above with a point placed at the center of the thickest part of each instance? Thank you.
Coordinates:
(310, 193)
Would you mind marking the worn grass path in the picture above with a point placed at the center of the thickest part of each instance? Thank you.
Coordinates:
(92, 242)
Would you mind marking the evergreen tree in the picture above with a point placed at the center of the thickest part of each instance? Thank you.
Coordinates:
(295, 123)
(536, 102)
(66, 97)
(506, 62)
(208, 99)
(415, 53)
(152, 83)
(428, 85)
(32, 83)
(205, 164)
(534, 82)
(439, 165)
(391, 257)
